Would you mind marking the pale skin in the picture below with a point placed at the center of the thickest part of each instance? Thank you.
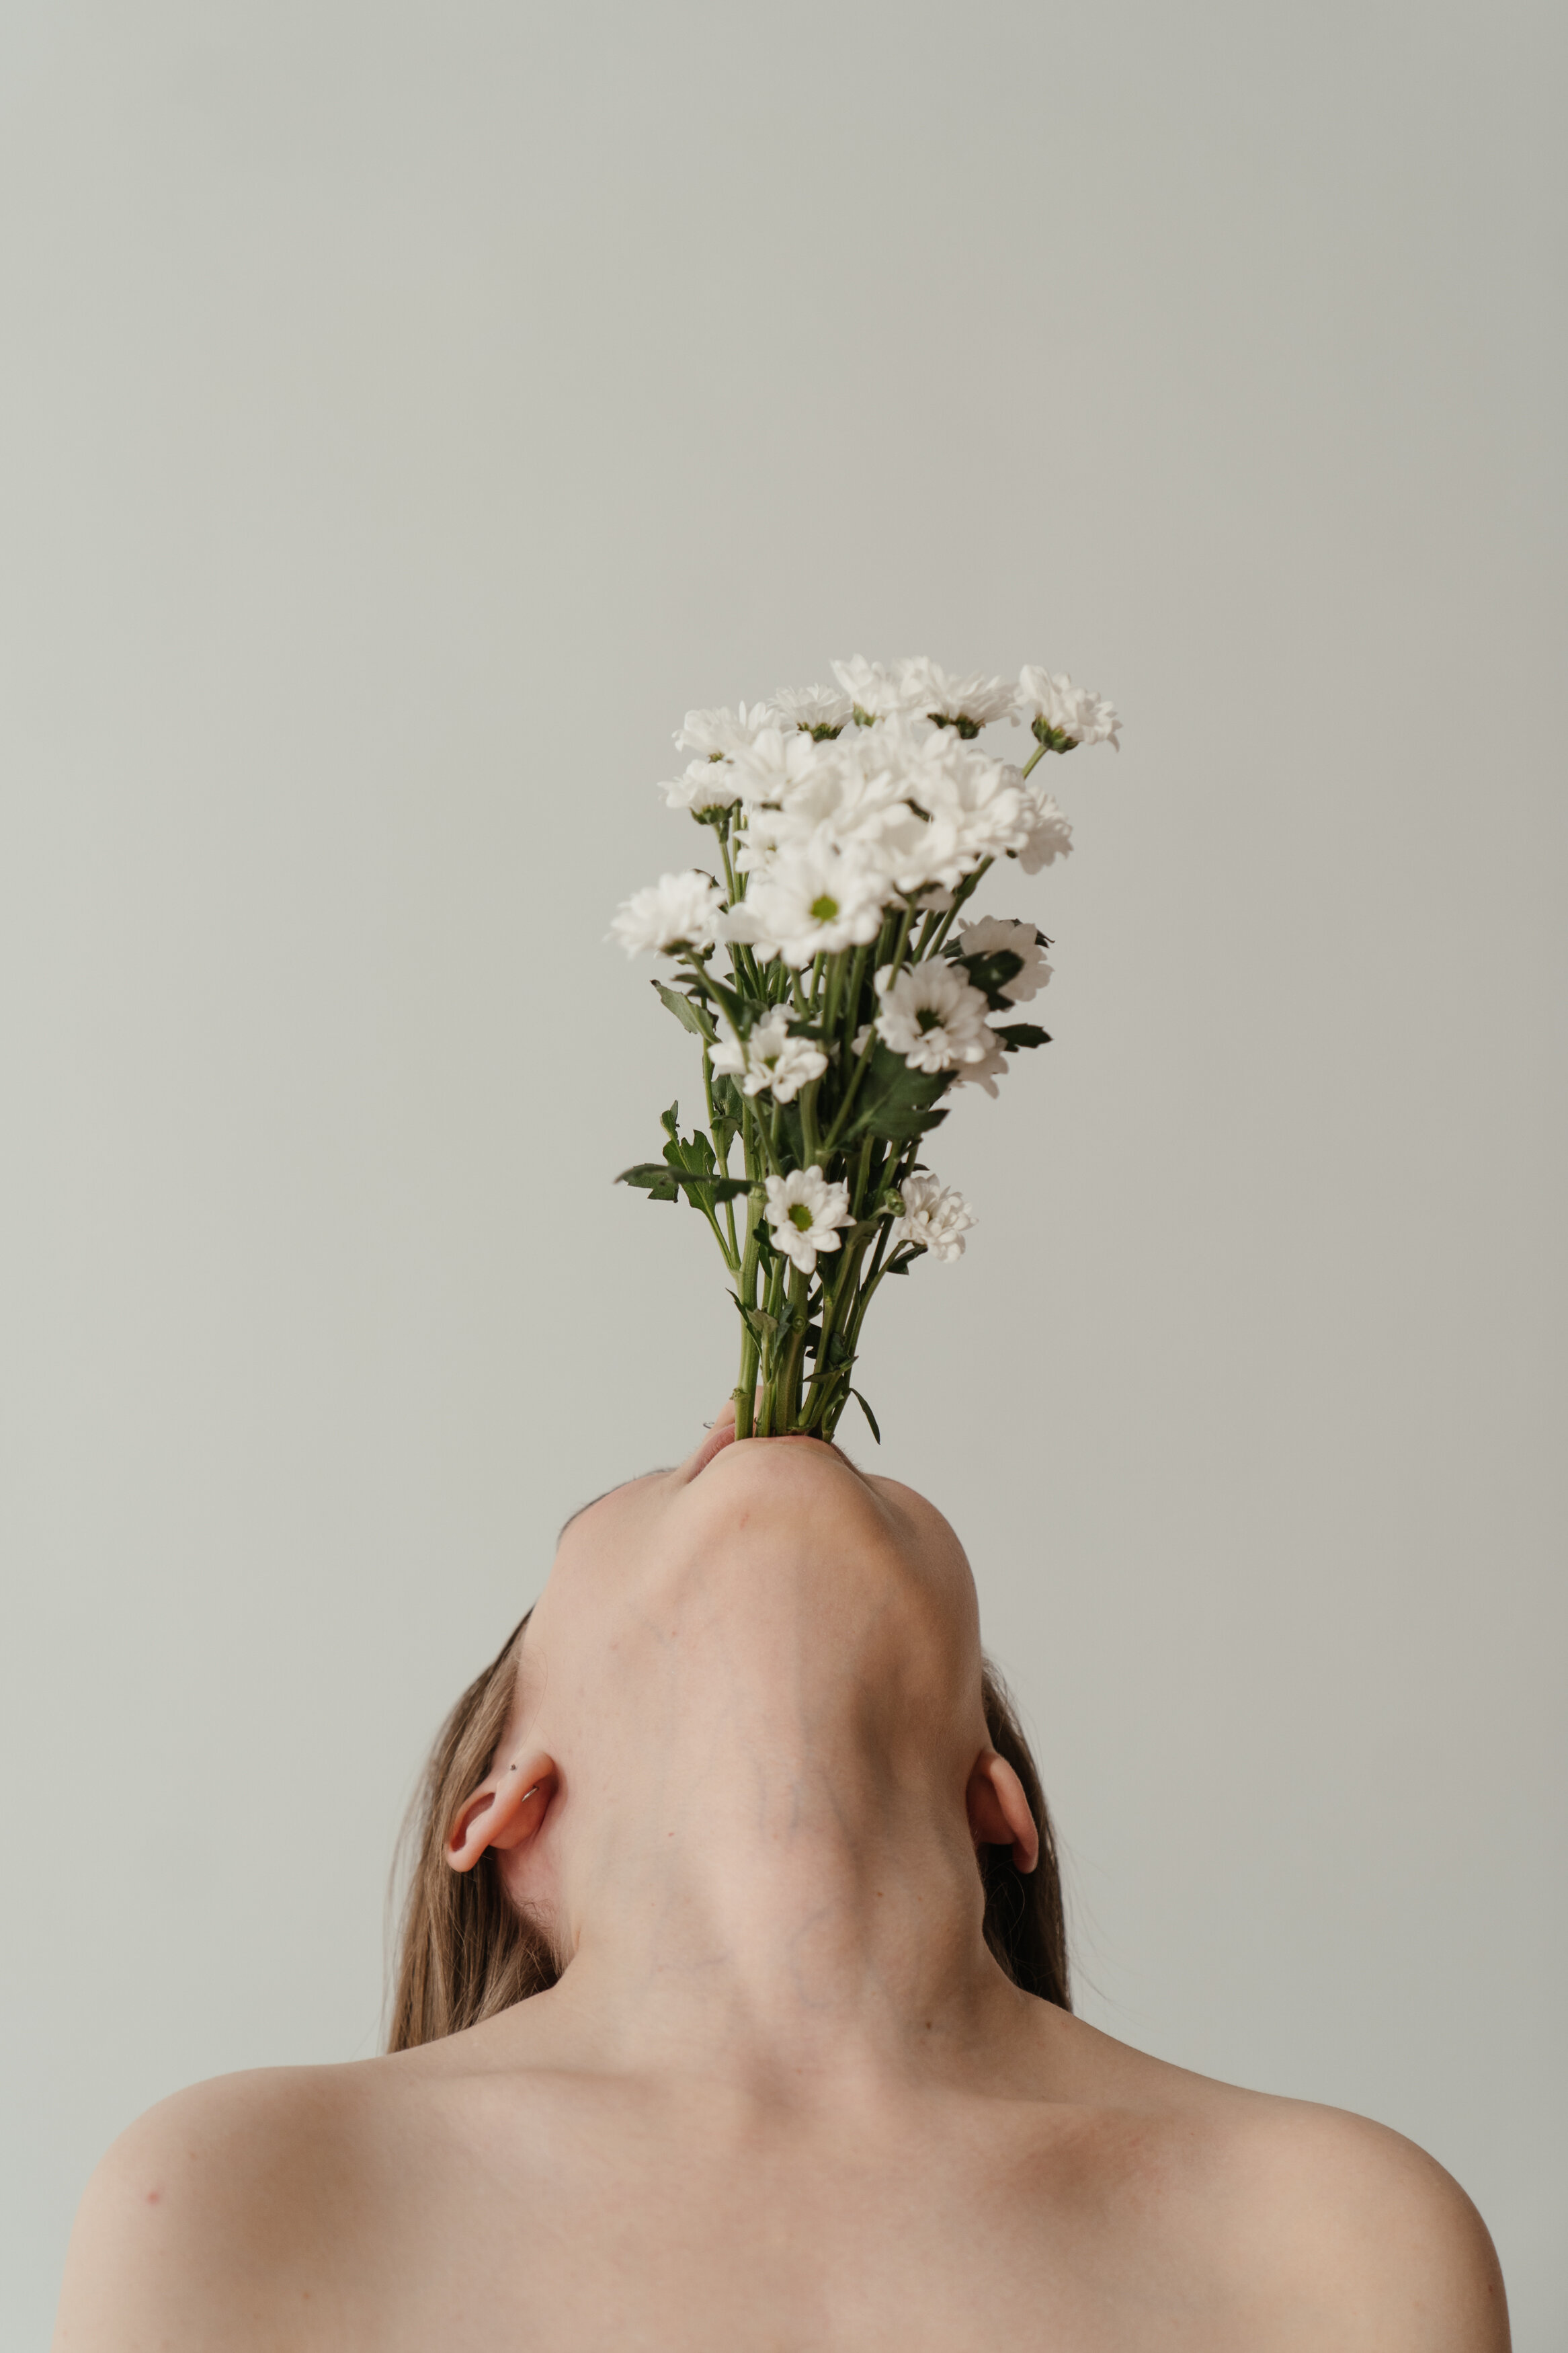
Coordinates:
(783, 2097)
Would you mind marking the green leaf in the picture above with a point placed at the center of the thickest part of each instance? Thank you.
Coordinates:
(696, 1156)
(663, 1181)
(689, 1016)
(652, 1176)
(990, 973)
(868, 1414)
(756, 1319)
(740, 1012)
(903, 1126)
(894, 1101)
(1012, 1035)
(670, 1122)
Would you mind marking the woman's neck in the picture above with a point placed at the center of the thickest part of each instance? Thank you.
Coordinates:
(760, 1690)
(772, 1900)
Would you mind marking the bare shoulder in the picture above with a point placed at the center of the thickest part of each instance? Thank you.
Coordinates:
(1318, 2229)
(213, 2211)
(1364, 2239)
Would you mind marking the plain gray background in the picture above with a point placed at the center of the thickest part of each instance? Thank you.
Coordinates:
(407, 412)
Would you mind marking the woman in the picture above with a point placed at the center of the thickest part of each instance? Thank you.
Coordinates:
(711, 2034)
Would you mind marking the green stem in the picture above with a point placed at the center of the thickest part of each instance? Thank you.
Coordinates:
(732, 1255)
(965, 890)
(746, 1386)
(809, 1154)
(767, 1143)
(901, 942)
(789, 1404)
(827, 995)
(825, 1375)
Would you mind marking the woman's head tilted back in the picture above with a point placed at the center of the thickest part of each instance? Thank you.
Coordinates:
(760, 1646)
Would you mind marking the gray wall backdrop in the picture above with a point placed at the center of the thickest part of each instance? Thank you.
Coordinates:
(408, 411)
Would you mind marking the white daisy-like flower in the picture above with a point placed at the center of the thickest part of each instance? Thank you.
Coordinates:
(814, 899)
(812, 706)
(986, 1073)
(885, 779)
(741, 926)
(974, 700)
(778, 763)
(935, 1217)
(913, 852)
(994, 937)
(985, 805)
(1067, 710)
(1049, 834)
(840, 792)
(705, 784)
(872, 686)
(723, 730)
(677, 911)
(771, 1059)
(804, 1215)
(932, 1016)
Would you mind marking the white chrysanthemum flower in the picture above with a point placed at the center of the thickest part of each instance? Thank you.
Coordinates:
(813, 900)
(804, 1214)
(872, 686)
(705, 784)
(771, 1059)
(984, 803)
(994, 937)
(838, 792)
(677, 911)
(1067, 709)
(777, 763)
(932, 1016)
(978, 807)
(1049, 834)
(812, 706)
(935, 1217)
(741, 926)
(912, 851)
(986, 1073)
(976, 699)
(723, 730)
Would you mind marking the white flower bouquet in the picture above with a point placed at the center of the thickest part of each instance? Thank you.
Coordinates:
(852, 826)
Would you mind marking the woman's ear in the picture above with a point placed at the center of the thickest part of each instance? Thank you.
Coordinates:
(507, 1808)
(998, 1811)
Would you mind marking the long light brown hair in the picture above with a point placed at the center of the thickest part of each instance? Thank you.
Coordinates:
(465, 1951)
